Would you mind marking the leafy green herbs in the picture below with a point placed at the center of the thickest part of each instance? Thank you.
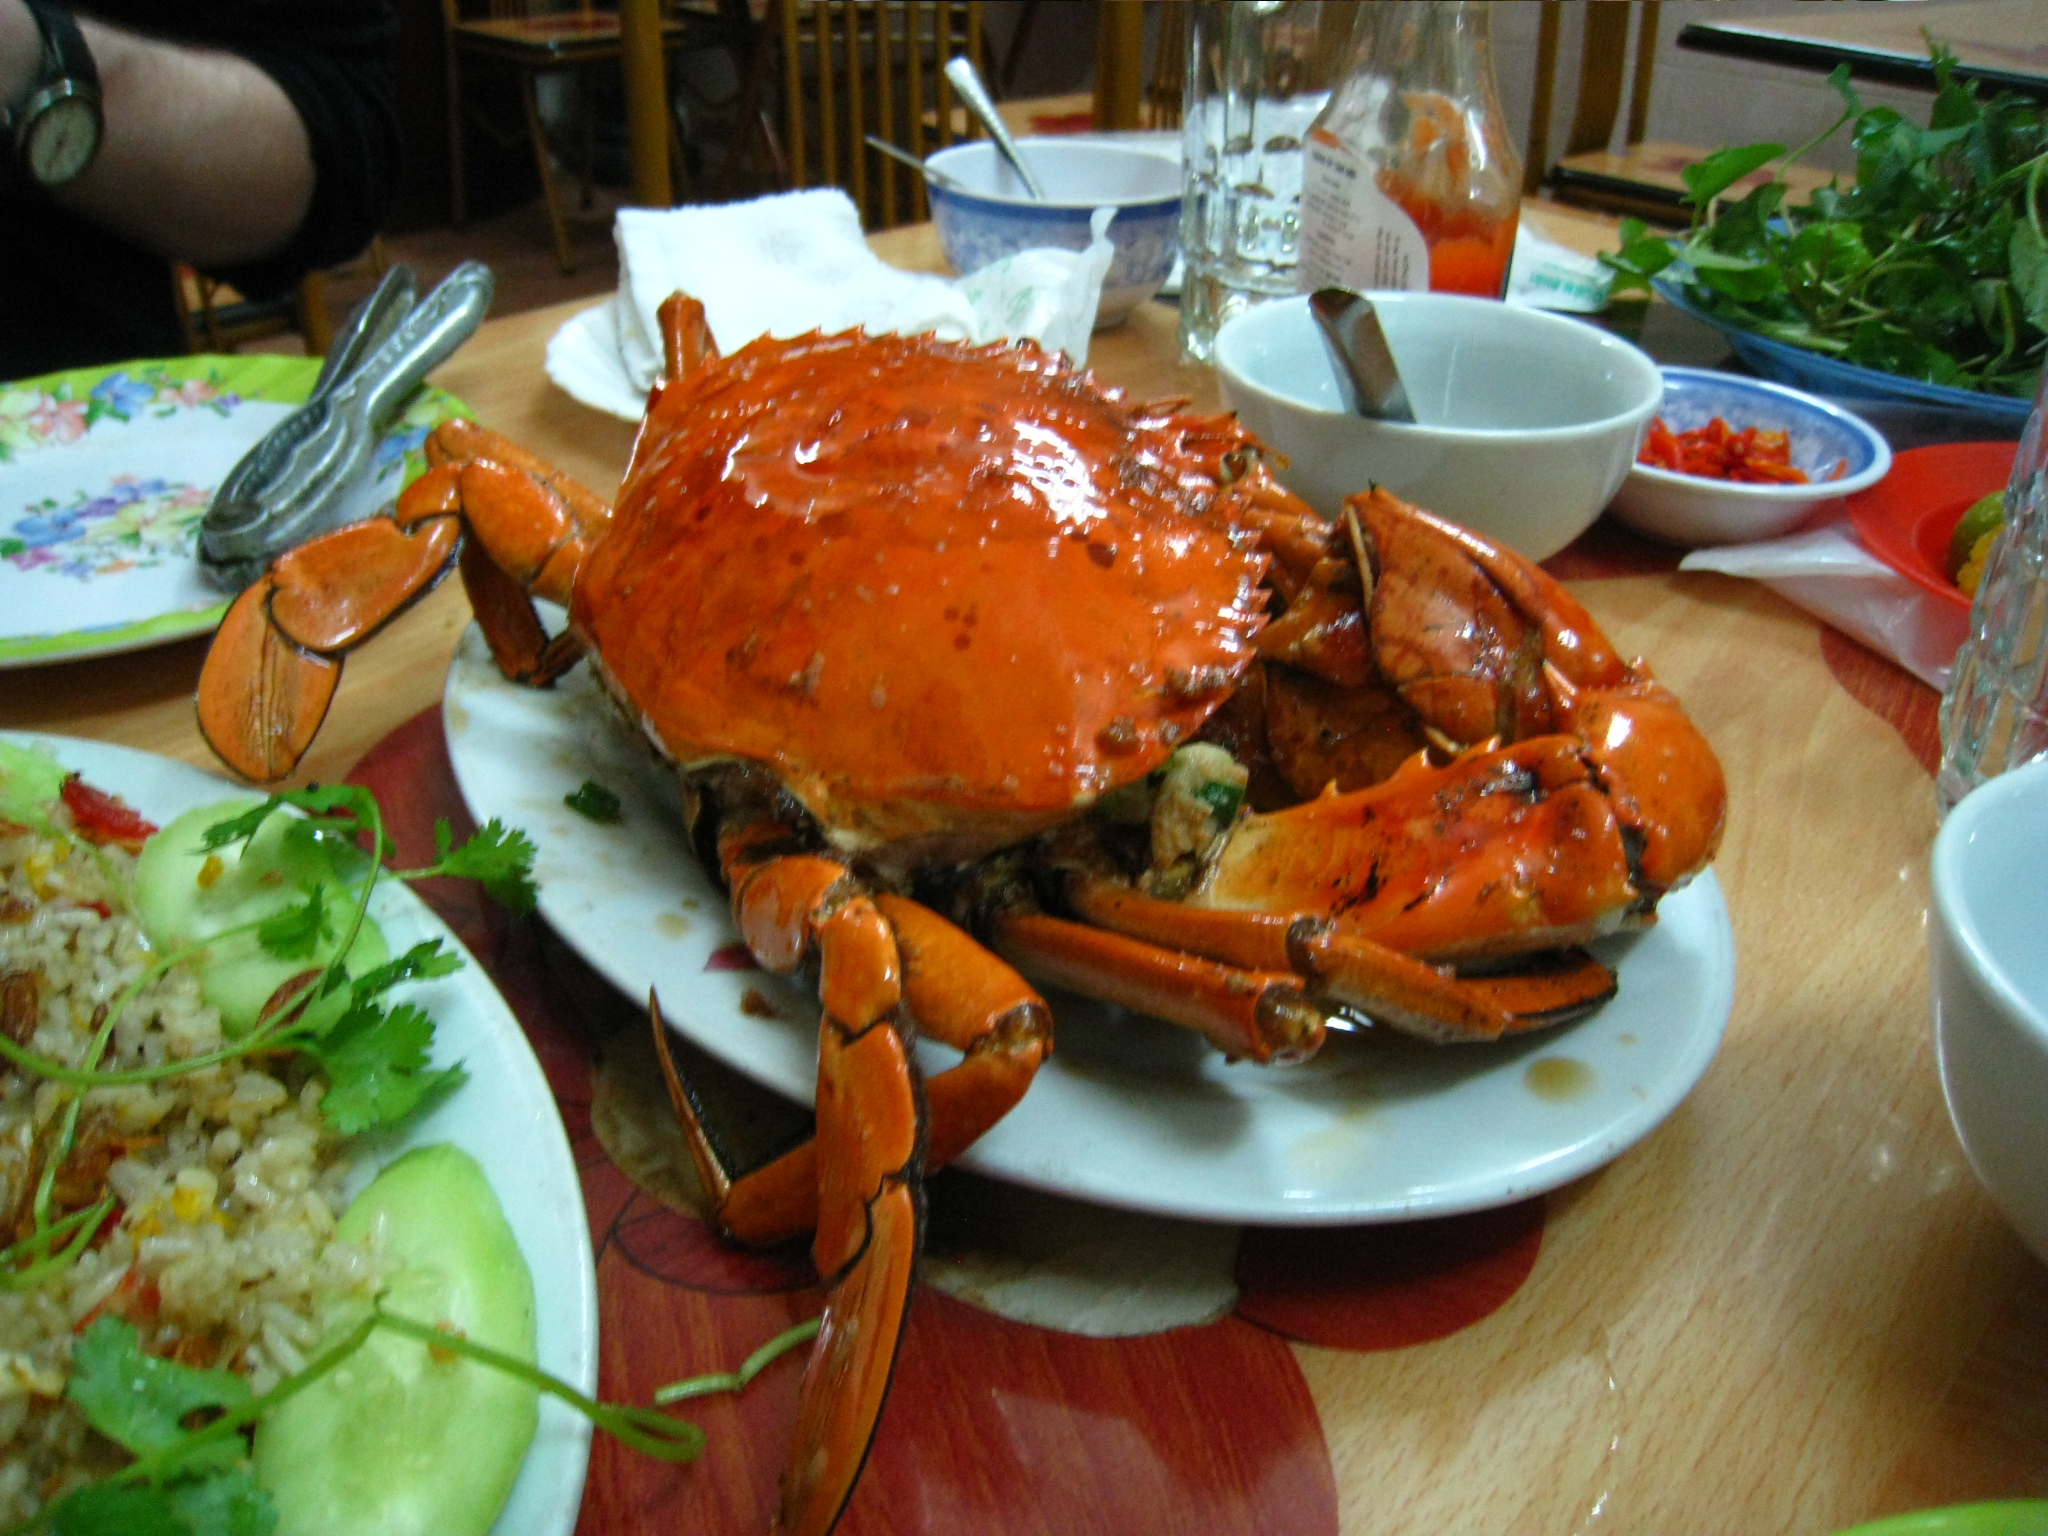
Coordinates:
(591, 799)
(375, 1054)
(186, 1427)
(1933, 266)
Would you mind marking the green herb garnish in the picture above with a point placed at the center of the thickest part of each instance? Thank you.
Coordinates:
(1933, 266)
(591, 799)
(191, 1479)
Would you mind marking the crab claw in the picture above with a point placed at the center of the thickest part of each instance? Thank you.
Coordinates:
(869, 1202)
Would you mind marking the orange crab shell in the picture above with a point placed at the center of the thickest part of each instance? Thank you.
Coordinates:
(948, 594)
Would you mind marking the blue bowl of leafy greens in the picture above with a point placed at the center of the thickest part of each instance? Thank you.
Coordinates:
(1923, 284)
(1820, 374)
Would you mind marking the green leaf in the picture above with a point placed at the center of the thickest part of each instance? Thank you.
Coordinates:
(1222, 800)
(593, 801)
(424, 960)
(1839, 81)
(2029, 259)
(1707, 179)
(296, 932)
(375, 1061)
(225, 1504)
(498, 857)
(137, 1400)
(117, 1509)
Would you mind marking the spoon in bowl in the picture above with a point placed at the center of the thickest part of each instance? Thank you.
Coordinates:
(1366, 374)
(974, 96)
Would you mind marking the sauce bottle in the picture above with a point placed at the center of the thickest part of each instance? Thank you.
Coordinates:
(1409, 179)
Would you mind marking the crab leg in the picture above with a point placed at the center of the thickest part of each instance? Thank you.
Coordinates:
(276, 658)
(956, 991)
(1259, 1015)
(1347, 970)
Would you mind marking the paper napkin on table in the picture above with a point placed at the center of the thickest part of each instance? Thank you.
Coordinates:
(798, 262)
(1827, 571)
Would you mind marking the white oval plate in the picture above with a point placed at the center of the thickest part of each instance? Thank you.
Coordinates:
(504, 1117)
(107, 473)
(1129, 1112)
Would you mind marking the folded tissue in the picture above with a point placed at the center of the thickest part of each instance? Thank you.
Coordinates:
(1827, 571)
(798, 262)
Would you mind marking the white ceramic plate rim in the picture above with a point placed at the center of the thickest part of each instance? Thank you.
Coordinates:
(1128, 1112)
(504, 1115)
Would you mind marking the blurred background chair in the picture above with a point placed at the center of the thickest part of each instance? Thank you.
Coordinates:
(1643, 178)
(849, 68)
(531, 39)
(217, 318)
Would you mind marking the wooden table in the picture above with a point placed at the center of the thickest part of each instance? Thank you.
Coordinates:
(1789, 1309)
(2002, 43)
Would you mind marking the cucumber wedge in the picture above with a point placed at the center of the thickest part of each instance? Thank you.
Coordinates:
(184, 895)
(396, 1442)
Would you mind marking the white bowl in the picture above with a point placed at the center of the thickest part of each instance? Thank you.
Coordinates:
(1526, 422)
(986, 214)
(1988, 958)
(1692, 509)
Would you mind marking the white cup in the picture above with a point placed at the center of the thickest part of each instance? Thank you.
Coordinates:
(1988, 957)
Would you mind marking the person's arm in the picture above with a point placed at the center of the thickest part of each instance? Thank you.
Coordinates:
(204, 158)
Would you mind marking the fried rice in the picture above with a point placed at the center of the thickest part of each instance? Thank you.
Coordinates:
(221, 1249)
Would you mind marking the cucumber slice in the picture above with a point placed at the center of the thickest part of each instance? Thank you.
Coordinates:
(395, 1442)
(29, 782)
(183, 895)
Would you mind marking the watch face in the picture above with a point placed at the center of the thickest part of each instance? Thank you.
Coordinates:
(61, 140)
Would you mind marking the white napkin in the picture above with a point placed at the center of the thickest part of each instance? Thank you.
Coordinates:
(797, 262)
(1828, 572)
(1545, 275)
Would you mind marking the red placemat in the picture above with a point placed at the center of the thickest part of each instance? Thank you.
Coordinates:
(992, 1426)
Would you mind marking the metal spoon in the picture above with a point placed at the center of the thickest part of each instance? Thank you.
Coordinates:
(306, 486)
(1366, 374)
(974, 96)
(932, 177)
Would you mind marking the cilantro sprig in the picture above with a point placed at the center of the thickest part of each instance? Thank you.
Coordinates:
(187, 1427)
(1933, 266)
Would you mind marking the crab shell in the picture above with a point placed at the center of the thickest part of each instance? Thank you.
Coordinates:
(949, 595)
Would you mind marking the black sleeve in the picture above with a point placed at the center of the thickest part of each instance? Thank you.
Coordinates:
(334, 60)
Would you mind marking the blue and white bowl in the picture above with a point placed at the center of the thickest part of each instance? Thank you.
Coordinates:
(984, 214)
(1692, 509)
(1993, 415)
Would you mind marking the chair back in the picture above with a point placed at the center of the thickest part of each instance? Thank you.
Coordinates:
(856, 67)
(1603, 67)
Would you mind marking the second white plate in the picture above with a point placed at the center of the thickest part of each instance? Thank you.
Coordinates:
(1129, 1111)
(504, 1117)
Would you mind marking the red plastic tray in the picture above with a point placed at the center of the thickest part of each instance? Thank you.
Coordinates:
(1906, 519)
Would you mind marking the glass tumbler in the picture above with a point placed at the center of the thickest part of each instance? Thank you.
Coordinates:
(1258, 73)
(1995, 713)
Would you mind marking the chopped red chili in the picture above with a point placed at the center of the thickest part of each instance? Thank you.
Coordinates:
(1755, 455)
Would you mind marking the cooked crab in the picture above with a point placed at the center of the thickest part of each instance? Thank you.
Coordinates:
(894, 606)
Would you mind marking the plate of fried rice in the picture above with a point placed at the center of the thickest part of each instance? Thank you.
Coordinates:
(229, 1184)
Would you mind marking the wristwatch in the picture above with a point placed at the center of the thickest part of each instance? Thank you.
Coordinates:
(56, 124)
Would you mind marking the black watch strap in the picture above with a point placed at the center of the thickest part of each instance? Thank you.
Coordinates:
(65, 56)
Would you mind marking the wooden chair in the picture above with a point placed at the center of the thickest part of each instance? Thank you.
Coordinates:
(1643, 179)
(1136, 86)
(531, 38)
(850, 68)
(216, 318)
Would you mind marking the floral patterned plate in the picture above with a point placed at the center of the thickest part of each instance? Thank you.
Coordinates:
(105, 474)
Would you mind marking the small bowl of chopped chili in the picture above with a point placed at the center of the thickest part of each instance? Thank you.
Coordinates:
(1730, 459)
